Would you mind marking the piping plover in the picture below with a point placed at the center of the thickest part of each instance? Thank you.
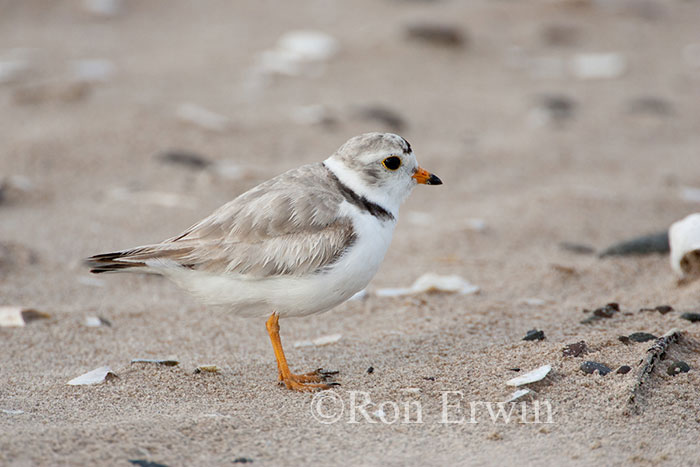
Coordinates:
(300, 243)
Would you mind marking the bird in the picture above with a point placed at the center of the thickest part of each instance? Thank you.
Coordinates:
(298, 244)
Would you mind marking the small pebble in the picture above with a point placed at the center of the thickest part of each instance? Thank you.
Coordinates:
(641, 337)
(650, 106)
(534, 335)
(623, 370)
(243, 460)
(624, 339)
(553, 109)
(590, 367)
(663, 309)
(644, 245)
(184, 158)
(678, 367)
(145, 463)
(559, 35)
(370, 370)
(383, 115)
(576, 349)
(607, 311)
(429, 378)
(577, 248)
(437, 34)
(692, 317)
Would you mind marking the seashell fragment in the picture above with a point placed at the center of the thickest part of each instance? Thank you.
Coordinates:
(17, 316)
(95, 376)
(431, 282)
(530, 377)
(684, 237)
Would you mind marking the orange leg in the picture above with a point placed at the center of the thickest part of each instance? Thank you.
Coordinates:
(305, 382)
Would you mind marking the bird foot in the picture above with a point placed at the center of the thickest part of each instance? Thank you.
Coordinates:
(311, 381)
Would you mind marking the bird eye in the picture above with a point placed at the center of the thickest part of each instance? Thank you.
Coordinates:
(392, 162)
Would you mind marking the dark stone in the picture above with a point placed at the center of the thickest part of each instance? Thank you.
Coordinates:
(429, 378)
(623, 370)
(575, 350)
(243, 460)
(641, 337)
(678, 367)
(692, 317)
(370, 370)
(577, 248)
(559, 108)
(608, 311)
(663, 309)
(145, 463)
(437, 34)
(647, 244)
(388, 117)
(590, 367)
(184, 158)
(534, 335)
(624, 339)
(650, 105)
(514, 369)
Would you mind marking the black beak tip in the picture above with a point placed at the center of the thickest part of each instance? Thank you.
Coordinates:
(434, 180)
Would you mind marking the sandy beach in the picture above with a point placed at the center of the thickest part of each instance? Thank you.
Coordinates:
(549, 122)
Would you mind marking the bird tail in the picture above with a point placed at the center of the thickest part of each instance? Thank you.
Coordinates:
(115, 262)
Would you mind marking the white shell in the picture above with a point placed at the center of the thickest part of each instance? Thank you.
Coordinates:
(598, 66)
(430, 282)
(308, 45)
(684, 238)
(203, 118)
(95, 376)
(18, 316)
(519, 394)
(531, 377)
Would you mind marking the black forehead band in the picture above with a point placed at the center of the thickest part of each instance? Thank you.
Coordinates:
(407, 149)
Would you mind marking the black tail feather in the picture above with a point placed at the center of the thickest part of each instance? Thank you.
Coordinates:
(109, 262)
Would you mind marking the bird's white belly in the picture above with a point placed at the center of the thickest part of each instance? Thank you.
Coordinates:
(302, 295)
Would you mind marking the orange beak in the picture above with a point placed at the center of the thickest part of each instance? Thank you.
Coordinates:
(424, 177)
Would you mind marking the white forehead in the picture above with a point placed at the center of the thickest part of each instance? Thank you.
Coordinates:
(369, 146)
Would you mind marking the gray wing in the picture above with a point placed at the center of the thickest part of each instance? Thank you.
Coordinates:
(288, 225)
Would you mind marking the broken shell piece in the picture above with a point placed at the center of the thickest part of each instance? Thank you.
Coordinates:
(520, 393)
(12, 411)
(308, 45)
(598, 66)
(431, 282)
(17, 316)
(319, 341)
(690, 194)
(95, 376)
(684, 237)
(96, 321)
(203, 118)
(531, 377)
(166, 362)
(93, 70)
(207, 369)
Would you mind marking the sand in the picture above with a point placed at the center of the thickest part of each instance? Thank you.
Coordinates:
(606, 169)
